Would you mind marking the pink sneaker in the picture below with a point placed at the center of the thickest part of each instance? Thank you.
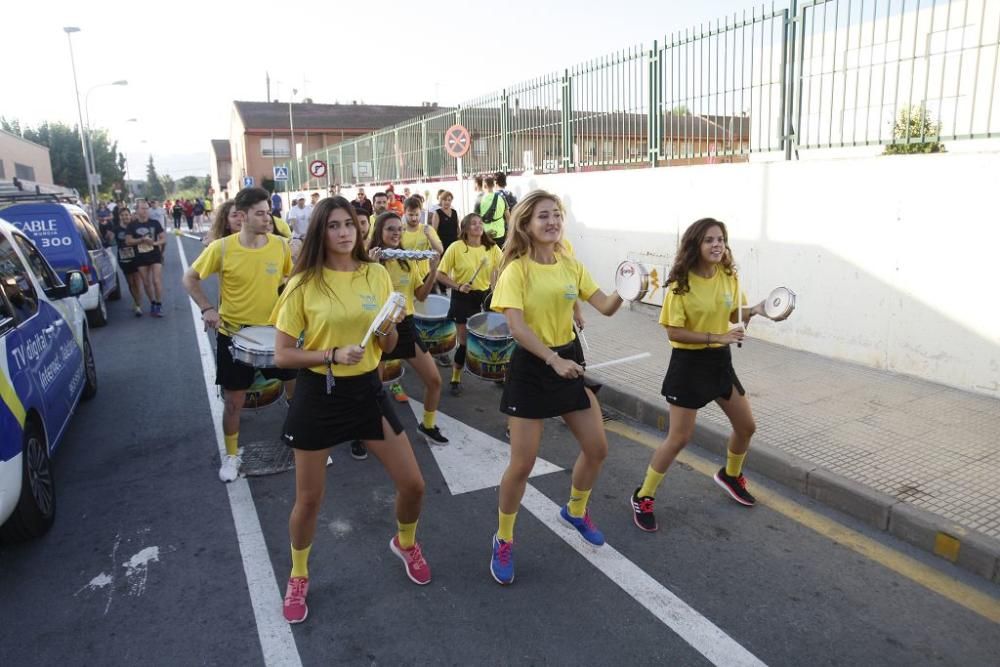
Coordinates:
(295, 608)
(417, 568)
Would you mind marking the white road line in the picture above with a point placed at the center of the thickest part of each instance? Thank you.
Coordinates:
(276, 639)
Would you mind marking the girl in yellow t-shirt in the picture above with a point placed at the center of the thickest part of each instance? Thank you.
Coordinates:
(474, 254)
(333, 296)
(410, 280)
(536, 290)
(700, 312)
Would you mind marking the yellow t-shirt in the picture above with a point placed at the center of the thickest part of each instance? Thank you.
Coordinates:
(339, 319)
(406, 282)
(282, 227)
(460, 261)
(417, 240)
(248, 277)
(545, 293)
(706, 308)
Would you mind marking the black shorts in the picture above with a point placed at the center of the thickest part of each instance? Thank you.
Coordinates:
(409, 341)
(149, 258)
(129, 267)
(464, 306)
(534, 391)
(236, 376)
(695, 378)
(353, 410)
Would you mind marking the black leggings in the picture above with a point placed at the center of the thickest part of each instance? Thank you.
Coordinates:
(177, 222)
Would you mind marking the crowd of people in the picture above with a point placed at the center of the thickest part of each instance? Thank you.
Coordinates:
(320, 275)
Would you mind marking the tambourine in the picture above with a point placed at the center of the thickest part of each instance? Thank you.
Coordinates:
(631, 280)
(400, 253)
(392, 311)
(779, 303)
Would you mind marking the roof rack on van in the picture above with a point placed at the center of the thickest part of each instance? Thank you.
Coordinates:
(18, 197)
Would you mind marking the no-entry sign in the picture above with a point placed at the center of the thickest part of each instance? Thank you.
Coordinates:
(457, 141)
(317, 168)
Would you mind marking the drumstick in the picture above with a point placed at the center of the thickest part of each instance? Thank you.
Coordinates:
(246, 337)
(473, 278)
(615, 362)
(583, 339)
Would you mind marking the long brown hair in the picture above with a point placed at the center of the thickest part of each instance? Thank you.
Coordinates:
(519, 243)
(689, 253)
(463, 235)
(377, 241)
(312, 257)
(220, 224)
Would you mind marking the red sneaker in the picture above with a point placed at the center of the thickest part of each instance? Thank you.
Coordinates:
(417, 568)
(295, 608)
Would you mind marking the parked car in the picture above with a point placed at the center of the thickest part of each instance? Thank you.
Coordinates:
(46, 368)
(70, 241)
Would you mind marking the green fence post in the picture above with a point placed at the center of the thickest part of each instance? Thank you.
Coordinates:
(423, 146)
(505, 156)
(567, 120)
(395, 148)
(654, 115)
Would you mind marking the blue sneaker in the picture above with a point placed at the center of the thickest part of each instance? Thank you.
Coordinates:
(588, 531)
(502, 563)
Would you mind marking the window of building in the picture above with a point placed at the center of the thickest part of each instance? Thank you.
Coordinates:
(24, 172)
(2, 173)
(276, 147)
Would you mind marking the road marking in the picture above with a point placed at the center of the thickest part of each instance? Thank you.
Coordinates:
(980, 603)
(276, 639)
(470, 451)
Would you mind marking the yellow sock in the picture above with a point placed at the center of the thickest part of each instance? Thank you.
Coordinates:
(407, 534)
(577, 505)
(734, 463)
(456, 374)
(651, 483)
(506, 530)
(231, 443)
(300, 561)
(429, 417)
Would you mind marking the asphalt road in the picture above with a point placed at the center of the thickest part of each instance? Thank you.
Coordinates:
(144, 562)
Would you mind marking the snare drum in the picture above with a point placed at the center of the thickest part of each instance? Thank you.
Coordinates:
(254, 346)
(631, 280)
(779, 303)
(430, 318)
(262, 393)
(489, 346)
(392, 371)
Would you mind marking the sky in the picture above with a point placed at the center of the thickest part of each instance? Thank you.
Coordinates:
(185, 62)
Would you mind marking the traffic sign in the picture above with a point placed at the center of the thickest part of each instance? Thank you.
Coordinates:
(248, 181)
(317, 168)
(281, 173)
(457, 140)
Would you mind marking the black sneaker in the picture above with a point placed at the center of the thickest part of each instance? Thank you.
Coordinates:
(358, 451)
(735, 487)
(642, 512)
(456, 388)
(432, 433)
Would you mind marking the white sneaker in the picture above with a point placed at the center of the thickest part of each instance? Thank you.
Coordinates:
(230, 468)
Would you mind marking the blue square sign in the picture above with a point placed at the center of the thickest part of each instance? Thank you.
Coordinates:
(248, 181)
(281, 173)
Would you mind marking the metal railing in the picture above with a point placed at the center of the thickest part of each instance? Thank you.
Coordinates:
(820, 74)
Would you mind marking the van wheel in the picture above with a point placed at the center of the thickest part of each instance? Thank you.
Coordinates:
(98, 317)
(89, 371)
(36, 506)
(116, 293)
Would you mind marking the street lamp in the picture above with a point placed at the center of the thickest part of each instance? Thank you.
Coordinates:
(90, 145)
(69, 30)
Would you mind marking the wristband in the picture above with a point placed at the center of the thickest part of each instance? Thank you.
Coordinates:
(548, 362)
(333, 356)
(708, 339)
(207, 308)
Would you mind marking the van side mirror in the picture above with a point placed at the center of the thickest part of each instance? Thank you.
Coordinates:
(76, 282)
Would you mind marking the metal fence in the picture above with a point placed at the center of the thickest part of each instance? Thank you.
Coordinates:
(817, 74)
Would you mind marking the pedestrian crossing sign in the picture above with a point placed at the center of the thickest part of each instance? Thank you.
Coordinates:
(281, 173)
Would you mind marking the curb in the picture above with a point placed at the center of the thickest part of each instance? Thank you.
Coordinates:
(967, 549)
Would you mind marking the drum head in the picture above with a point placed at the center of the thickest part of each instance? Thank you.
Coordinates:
(631, 281)
(489, 326)
(263, 335)
(434, 308)
(780, 302)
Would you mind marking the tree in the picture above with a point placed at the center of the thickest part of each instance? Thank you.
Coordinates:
(154, 188)
(12, 126)
(187, 183)
(169, 187)
(917, 132)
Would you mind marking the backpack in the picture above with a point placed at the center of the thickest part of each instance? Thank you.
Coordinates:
(508, 197)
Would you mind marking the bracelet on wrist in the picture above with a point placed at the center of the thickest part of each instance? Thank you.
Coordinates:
(333, 356)
(548, 362)
(206, 309)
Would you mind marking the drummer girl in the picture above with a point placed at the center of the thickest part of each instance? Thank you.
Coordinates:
(410, 280)
(334, 294)
(698, 309)
(537, 287)
(477, 255)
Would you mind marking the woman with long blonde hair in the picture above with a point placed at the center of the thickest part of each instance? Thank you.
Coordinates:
(536, 290)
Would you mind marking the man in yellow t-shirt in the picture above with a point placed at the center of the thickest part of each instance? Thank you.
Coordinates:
(417, 236)
(252, 265)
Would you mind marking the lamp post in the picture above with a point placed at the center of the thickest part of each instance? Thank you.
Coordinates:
(90, 145)
(291, 130)
(69, 30)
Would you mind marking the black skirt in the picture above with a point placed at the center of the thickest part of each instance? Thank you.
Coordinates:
(534, 391)
(353, 410)
(695, 378)
(408, 343)
(464, 306)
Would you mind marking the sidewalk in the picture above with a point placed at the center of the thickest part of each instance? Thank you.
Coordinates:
(910, 457)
